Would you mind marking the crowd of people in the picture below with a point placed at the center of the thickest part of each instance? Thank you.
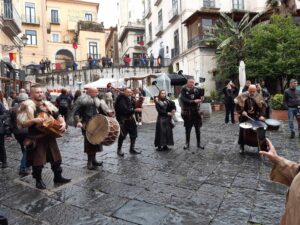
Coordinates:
(20, 115)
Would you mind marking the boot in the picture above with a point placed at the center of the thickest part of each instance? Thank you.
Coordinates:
(39, 184)
(90, 164)
(4, 165)
(57, 170)
(119, 150)
(95, 162)
(292, 134)
(132, 150)
(242, 150)
(58, 178)
(198, 140)
(187, 141)
(37, 174)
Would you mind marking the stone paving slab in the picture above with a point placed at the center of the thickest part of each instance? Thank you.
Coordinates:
(215, 186)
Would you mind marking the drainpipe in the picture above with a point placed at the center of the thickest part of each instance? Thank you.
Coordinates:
(181, 14)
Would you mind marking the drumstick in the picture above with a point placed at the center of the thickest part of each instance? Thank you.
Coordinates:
(250, 118)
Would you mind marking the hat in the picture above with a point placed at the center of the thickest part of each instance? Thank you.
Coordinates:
(22, 97)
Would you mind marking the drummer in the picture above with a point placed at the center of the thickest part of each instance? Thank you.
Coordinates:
(249, 104)
(87, 106)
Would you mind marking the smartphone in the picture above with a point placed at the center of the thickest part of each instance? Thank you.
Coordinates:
(261, 138)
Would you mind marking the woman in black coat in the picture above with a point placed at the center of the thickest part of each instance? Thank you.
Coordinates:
(164, 133)
(3, 131)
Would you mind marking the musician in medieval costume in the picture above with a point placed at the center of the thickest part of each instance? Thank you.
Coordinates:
(43, 146)
(85, 107)
(190, 99)
(249, 104)
(164, 126)
(125, 109)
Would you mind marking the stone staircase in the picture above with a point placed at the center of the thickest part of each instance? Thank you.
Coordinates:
(77, 79)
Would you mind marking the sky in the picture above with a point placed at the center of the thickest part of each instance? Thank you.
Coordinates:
(108, 12)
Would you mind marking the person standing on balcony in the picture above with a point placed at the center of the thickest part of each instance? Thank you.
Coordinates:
(90, 61)
(159, 59)
(151, 58)
(48, 63)
(43, 66)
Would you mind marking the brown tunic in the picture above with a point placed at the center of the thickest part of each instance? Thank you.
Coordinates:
(46, 149)
(287, 172)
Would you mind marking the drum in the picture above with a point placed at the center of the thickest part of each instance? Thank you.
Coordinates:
(102, 130)
(50, 126)
(249, 132)
(273, 124)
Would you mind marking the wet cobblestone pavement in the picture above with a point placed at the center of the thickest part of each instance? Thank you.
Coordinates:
(214, 186)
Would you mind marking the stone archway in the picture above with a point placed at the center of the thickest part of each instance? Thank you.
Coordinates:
(64, 58)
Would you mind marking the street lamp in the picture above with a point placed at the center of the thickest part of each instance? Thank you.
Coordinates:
(24, 40)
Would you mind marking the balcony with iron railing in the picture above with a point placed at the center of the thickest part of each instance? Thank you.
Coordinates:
(31, 20)
(174, 52)
(148, 12)
(11, 18)
(201, 40)
(173, 14)
(157, 2)
(149, 40)
(159, 29)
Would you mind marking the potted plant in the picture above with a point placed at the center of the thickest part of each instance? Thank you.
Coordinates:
(278, 110)
(216, 102)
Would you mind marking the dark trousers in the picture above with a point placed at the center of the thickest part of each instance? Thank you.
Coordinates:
(3, 157)
(229, 107)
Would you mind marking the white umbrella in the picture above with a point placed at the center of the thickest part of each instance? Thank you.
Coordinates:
(242, 75)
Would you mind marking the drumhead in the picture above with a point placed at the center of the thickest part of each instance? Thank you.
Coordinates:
(273, 122)
(246, 125)
(97, 129)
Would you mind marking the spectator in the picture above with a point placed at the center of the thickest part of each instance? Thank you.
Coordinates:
(291, 100)
(48, 63)
(90, 61)
(76, 95)
(64, 103)
(159, 61)
(230, 92)
(75, 66)
(43, 66)
(11, 99)
(151, 60)
(267, 96)
(20, 133)
(248, 83)
(286, 172)
(48, 95)
(103, 62)
(3, 101)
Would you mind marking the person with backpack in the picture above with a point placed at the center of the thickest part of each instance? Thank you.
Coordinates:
(63, 103)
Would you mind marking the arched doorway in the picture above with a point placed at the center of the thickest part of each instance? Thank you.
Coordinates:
(64, 59)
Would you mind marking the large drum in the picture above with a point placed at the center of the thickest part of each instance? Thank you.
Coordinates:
(102, 130)
(249, 132)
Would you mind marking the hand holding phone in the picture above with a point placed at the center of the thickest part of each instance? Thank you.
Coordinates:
(261, 139)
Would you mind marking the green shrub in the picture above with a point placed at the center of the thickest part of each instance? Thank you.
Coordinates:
(277, 102)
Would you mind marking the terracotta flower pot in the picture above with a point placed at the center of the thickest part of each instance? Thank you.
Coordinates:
(280, 114)
(217, 107)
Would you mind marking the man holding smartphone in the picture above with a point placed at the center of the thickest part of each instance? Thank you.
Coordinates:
(286, 172)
